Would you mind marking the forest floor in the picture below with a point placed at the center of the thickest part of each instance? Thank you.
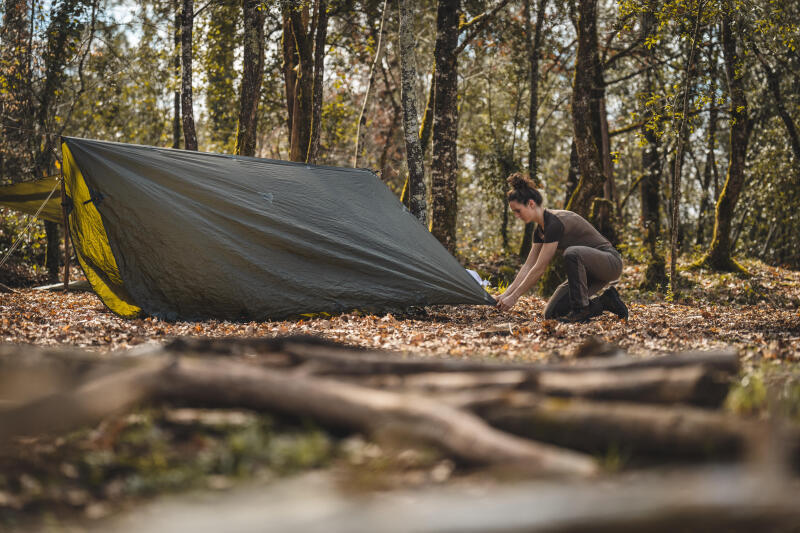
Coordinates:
(757, 314)
(97, 471)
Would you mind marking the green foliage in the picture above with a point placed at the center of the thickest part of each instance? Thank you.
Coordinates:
(157, 451)
(769, 387)
(29, 257)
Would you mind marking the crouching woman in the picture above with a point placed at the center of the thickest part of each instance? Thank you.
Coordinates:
(590, 261)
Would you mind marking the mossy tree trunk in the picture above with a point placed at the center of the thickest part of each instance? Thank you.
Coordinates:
(719, 254)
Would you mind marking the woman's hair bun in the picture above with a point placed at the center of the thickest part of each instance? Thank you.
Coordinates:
(522, 189)
(519, 181)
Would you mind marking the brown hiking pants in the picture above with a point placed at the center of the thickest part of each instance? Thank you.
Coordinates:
(588, 271)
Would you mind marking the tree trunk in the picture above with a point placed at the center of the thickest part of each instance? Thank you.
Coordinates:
(425, 129)
(176, 64)
(187, 108)
(414, 149)
(444, 169)
(719, 254)
(573, 175)
(534, 39)
(252, 77)
(655, 277)
(290, 62)
(710, 167)
(319, 77)
(52, 255)
(586, 120)
(303, 86)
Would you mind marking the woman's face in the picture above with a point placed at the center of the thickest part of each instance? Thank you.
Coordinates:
(524, 212)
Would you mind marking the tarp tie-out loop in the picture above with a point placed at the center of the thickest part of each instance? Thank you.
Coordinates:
(30, 223)
(95, 197)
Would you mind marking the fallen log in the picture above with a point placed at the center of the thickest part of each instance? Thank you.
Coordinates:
(339, 360)
(733, 500)
(335, 359)
(631, 429)
(694, 385)
(219, 383)
(232, 384)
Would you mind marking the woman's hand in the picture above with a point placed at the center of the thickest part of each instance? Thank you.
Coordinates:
(506, 301)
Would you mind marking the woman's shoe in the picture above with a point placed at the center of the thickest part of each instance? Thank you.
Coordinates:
(612, 302)
(595, 308)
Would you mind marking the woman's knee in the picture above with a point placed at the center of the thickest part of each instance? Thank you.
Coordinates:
(572, 255)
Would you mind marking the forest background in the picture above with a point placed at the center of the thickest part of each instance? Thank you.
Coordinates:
(668, 124)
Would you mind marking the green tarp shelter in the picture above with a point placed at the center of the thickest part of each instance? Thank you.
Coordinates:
(189, 235)
(28, 196)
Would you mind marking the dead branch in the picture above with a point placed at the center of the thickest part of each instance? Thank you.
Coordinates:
(329, 402)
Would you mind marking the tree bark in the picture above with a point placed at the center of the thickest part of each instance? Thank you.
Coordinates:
(534, 39)
(424, 136)
(319, 77)
(719, 254)
(187, 107)
(303, 86)
(444, 169)
(414, 150)
(710, 167)
(655, 276)
(586, 96)
(693, 385)
(290, 62)
(641, 430)
(252, 77)
(176, 64)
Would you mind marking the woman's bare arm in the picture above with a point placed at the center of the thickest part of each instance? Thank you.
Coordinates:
(533, 256)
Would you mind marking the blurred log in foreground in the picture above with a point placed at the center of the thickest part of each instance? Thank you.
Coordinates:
(702, 500)
(477, 412)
